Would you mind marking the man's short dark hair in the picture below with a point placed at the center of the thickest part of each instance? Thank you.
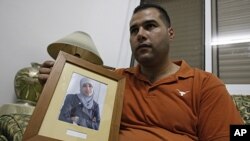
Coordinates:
(162, 11)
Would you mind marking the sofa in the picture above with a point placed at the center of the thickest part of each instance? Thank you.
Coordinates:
(12, 126)
(242, 103)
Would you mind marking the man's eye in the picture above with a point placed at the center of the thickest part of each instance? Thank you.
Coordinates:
(149, 26)
(133, 30)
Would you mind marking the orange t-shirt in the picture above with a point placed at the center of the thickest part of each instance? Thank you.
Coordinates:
(189, 105)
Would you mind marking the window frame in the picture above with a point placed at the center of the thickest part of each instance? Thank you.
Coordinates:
(243, 89)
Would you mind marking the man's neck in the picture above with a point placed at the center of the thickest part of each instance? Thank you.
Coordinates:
(158, 72)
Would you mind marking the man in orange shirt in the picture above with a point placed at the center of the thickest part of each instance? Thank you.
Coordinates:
(165, 100)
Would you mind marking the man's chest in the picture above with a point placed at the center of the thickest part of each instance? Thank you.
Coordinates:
(168, 105)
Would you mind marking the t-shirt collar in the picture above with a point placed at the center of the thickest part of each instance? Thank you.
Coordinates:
(185, 70)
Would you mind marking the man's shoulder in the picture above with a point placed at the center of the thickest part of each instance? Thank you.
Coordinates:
(206, 76)
(203, 73)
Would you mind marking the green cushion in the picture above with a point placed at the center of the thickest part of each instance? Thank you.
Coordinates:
(13, 126)
(3, 138)
(243, 105)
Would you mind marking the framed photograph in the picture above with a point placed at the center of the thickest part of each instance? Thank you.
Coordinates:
(80, 101)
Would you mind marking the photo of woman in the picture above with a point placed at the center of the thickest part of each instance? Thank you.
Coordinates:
(81, 108)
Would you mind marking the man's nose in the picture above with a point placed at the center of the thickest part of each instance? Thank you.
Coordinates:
(141, 36)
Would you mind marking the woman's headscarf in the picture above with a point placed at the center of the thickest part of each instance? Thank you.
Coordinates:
(86, 100)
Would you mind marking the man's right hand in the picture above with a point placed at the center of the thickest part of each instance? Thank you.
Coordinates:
(44, 71)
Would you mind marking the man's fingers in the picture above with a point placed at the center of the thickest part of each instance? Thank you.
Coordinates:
(43, 78)
(44, 70)
(48, 64)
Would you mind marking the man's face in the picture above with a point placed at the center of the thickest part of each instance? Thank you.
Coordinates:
(149, 37)
(87, 89)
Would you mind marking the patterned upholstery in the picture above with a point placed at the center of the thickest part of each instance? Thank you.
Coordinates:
(243, 105)
(12, 126)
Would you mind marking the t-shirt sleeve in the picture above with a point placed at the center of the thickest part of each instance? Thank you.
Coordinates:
(217, 111)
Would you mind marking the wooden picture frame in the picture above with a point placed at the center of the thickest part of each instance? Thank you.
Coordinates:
(44, 123)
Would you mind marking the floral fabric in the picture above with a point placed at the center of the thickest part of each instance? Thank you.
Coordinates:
(13, 126)
(243, 105)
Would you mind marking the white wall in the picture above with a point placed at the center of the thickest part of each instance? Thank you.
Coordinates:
(27, 27)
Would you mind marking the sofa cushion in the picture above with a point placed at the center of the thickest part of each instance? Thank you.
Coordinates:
(243, 105)
(13, 126)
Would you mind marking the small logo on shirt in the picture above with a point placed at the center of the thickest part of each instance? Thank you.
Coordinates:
(182, 93)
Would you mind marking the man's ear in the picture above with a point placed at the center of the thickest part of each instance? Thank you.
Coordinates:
(171, 33)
